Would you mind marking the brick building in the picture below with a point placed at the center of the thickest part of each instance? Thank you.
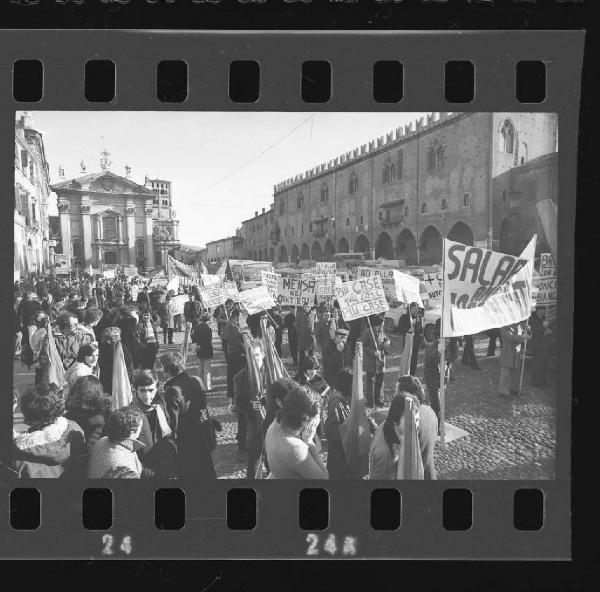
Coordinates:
(396, 197)
(257, 233)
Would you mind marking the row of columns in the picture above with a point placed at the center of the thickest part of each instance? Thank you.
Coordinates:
(86, 227)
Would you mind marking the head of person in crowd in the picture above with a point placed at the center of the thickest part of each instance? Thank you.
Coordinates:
(205, 317)
(146, 317)
(73, 297)
(145, 387)
(341, 337)
(110, 335)
(234, 315)
(60, 302)
(40, 320)
(172, 364)
(306, 308)
(170, 294)
(299, 409)
(191, 296)
(228, 304)
(88, 355)
(393, 426)
(180, 290)
(92, 317)
(124, 424)
(414, 309)
(412, 386)
(309, 367)
(67, 321)
(325, 314)
(87, 393)
(540, 311)
(343, 383)
(80, 314)
(376, 321)
(42, 405)
(278, 390)
(31, 295)
(258, 351)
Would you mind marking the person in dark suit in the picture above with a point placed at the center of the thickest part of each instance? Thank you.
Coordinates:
(202, 337)
(189, 420)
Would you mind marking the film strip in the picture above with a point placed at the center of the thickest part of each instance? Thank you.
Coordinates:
(298, 72)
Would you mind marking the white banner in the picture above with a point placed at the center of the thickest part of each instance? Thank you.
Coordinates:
(431, 288)
(210, 280)
(483, 289)
(214, 295)
(256, 300)
(178, 303)
(325, 278)
(296, 291)
(361, 298)
(232, 291)
(396, 285)
(271, 281)
(546, 294)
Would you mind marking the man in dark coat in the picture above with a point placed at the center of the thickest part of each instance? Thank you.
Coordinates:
(189, 420)
(159, 454)
(375, 344)
(235, 349)
(191, 310)
(143, 299)
(336, 355)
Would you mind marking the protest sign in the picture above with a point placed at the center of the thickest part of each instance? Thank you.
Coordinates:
(210, 280)
(271, 282)
(109, 274)
(213, 295)
(178, 303)
(431, 288)
(361, 298)
(296, 291)
(325, 278)
(483, 289)
(396, 285)
(232, 291)
(546, 293)
(256, 300)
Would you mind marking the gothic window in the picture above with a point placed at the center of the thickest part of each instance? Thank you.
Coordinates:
(386, 172)
(406, 211)
(399, 167)
(431, 158)
(466, 199)
(507, 137)
(424, 208)
(347, 221)
(281, 207)
(300, 201)
(362, 220)
(443, 205)
(440, 157)
(352, 183)
(324, 193)
(503, 196)
(381, 215)
(109, 227)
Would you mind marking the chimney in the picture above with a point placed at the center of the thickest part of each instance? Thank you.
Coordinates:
(263, 210)
(256, 213)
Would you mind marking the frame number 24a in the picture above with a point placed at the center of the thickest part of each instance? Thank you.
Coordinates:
(330, 545)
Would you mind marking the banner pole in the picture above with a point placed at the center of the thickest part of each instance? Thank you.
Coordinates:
(442, 341)
(523, 361)
(372, 332)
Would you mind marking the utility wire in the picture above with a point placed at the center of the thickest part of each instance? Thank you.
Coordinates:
(260, 154)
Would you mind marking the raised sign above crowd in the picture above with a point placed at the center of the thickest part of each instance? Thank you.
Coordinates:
(361, 298)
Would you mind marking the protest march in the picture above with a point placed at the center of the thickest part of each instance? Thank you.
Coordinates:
(115, 354)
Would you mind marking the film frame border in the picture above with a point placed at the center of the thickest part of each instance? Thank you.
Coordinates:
(351, 55)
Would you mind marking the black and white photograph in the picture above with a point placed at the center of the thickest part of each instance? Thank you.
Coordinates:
(285, 295)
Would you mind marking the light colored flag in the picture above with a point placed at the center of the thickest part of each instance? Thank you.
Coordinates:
(121, 387)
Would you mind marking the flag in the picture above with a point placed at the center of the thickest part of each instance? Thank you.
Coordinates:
(274, 368)
(121, 387)
(410, 463)
(406, 355)
(56, 370)
(185, 343)
(355, 432)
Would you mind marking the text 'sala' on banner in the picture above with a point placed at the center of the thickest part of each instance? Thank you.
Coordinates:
(484, 289)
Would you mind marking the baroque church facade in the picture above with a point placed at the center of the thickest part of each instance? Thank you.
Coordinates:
(106, 219)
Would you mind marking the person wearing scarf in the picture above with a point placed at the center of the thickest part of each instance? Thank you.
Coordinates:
(159, 454)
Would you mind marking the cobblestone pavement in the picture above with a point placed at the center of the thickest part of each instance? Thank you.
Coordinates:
(508, 439)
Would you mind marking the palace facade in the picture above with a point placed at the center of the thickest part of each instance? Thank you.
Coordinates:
(472, 177)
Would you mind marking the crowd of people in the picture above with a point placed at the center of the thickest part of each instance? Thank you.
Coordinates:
(105, 403)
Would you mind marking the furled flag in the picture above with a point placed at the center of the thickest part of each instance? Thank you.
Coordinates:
(121, 387)
(355, 432)
(186, 342)
(410, 463)
(56, 370)
(274, 368)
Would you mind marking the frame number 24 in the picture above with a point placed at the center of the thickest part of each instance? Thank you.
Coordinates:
(110, 546)
(330, 545)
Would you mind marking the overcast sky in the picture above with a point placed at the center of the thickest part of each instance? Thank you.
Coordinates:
(201, 153)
